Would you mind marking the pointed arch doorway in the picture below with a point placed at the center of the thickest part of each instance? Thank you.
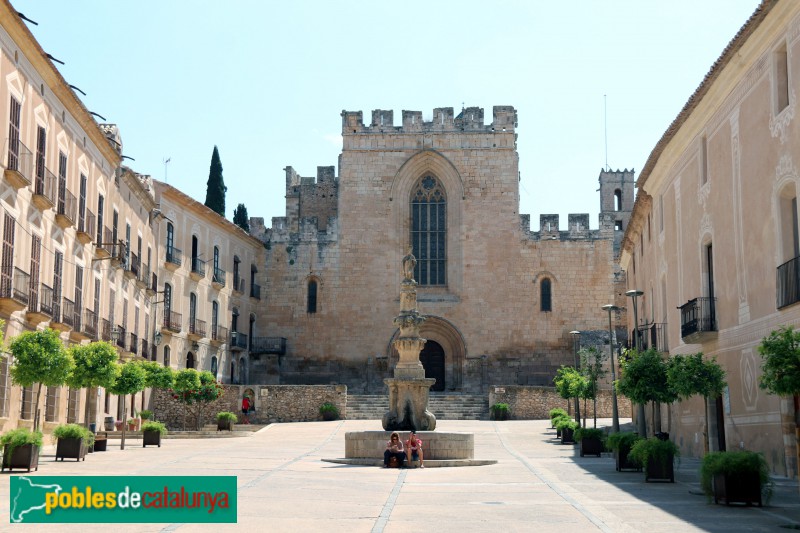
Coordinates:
(432, 358)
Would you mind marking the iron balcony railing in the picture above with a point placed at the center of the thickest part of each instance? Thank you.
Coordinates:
(105, 330)
(89, 323)
(144, 274)
(46, 301)
(198, 266)
(120, 337)
(255, 291)
(172, 321)
(652, 335)
(133, 343)
(788, 283)
(698, 316)
(220, 333)
(106, 240)
(20, 159)
(133, 265)
(15, 284)
(174, 256)
(67, 205)
(46, 183)
(197, 327)
(87, 222)
(268, 345)
(239, 340)
(219, 276)
(68, 312)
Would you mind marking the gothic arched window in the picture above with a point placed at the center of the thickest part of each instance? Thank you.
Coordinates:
(546, 296)
(429, 231)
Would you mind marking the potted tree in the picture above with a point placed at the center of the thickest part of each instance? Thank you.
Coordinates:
(226, 420)
(644, 379)
(152, 433)
(621, 444)
(95, 366)
(131, 379)
(329, 411)
(569, 383)
(738, 476)
(21, 449)
(567, 426)
(72, 441)
(39, 358)
(557, 423)
(501, 411)
(656, 457)
(592, 369)
(591, 441)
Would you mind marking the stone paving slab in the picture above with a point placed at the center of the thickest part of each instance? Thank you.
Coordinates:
(536, 485)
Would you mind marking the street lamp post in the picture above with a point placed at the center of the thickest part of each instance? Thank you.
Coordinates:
(614, 410)
(641, 424)
(575, 341)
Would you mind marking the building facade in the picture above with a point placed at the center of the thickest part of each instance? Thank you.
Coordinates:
(713, 237)
(500, 299)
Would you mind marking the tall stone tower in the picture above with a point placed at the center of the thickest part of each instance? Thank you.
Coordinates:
(616, 200)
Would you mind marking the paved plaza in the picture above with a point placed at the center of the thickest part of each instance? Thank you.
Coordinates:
(536, 485)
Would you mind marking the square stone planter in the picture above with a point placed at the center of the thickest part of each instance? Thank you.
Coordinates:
(70, 449)
(151, 438)
(622, 461)
(744, 488)
(26, 456)
(224, 425)
(567, 436)
(658, 470)
(100, 444)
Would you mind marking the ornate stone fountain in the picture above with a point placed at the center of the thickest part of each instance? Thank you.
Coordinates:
(409, 389)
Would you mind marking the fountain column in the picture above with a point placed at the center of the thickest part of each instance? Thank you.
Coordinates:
(409, 389)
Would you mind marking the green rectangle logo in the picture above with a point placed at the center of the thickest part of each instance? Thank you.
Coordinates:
(122, 499)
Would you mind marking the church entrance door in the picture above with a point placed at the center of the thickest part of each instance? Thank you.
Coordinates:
(432, 358)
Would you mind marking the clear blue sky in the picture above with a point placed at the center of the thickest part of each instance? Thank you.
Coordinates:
(266, 81)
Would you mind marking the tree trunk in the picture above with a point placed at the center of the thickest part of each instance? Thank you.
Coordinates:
(712, 443)
(36, 408)
(86, 409)
(124, 421)
(657, 417)
(641, 420)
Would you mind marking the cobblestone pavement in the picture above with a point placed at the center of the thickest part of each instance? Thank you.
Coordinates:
(537, 485)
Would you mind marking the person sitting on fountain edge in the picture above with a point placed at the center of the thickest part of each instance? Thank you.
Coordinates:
(394, 448)
(414, 449)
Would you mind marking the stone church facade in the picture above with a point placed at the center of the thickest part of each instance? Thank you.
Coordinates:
(501, 299)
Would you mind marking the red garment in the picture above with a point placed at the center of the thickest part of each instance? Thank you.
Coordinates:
(416, 446)
(245, 403)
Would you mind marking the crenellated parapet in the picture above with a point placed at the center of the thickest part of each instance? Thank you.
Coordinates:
(577, 228)
(444, 120)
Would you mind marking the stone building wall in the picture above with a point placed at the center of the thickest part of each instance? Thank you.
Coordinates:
(528, 403)
(273, 403)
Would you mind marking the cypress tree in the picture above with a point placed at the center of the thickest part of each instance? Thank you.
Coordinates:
(240, 217)
(215, 188)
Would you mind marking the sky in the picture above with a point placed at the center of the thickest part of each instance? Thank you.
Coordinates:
(593, 82)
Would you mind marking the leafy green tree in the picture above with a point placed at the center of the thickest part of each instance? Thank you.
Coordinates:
(157, 376)
(95, 366)
(691, 374)
(592, 361)
(196, 390)
(643, 378)
(240, 217)
(215, 187)
(780, 352)
(132, 379)
(39, 357)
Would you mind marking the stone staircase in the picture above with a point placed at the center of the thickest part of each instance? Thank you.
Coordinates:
(443, 406)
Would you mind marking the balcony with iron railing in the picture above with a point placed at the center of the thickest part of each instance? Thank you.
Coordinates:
(121, 337)
(174, 258)
(653, 335)
(219, 278)
(132, 267)
(67, 209)
(255, 291)
(68, 313)
(86, 226)
(698, 320)
(219, 335)
(197, 329)
(268, 345)
(133, 343)
(172, 321)
(788, 283)
(198, 269)
(143, 278)
(40, 304)
(19, 164)
(45, 189)
(88, 324)
(105, 330)
(14, 289)
(105, 244)
(238, 341)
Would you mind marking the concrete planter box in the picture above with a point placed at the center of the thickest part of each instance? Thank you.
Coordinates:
(744, 488)
(100, 444)
(658, 470)
(622, 461)
(224, 425)
(567, 436)
(151, 438)
(591, 446)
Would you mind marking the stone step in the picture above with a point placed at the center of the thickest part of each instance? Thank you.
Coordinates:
(444, 407)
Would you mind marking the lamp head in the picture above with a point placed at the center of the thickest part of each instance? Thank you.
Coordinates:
(634, 293)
